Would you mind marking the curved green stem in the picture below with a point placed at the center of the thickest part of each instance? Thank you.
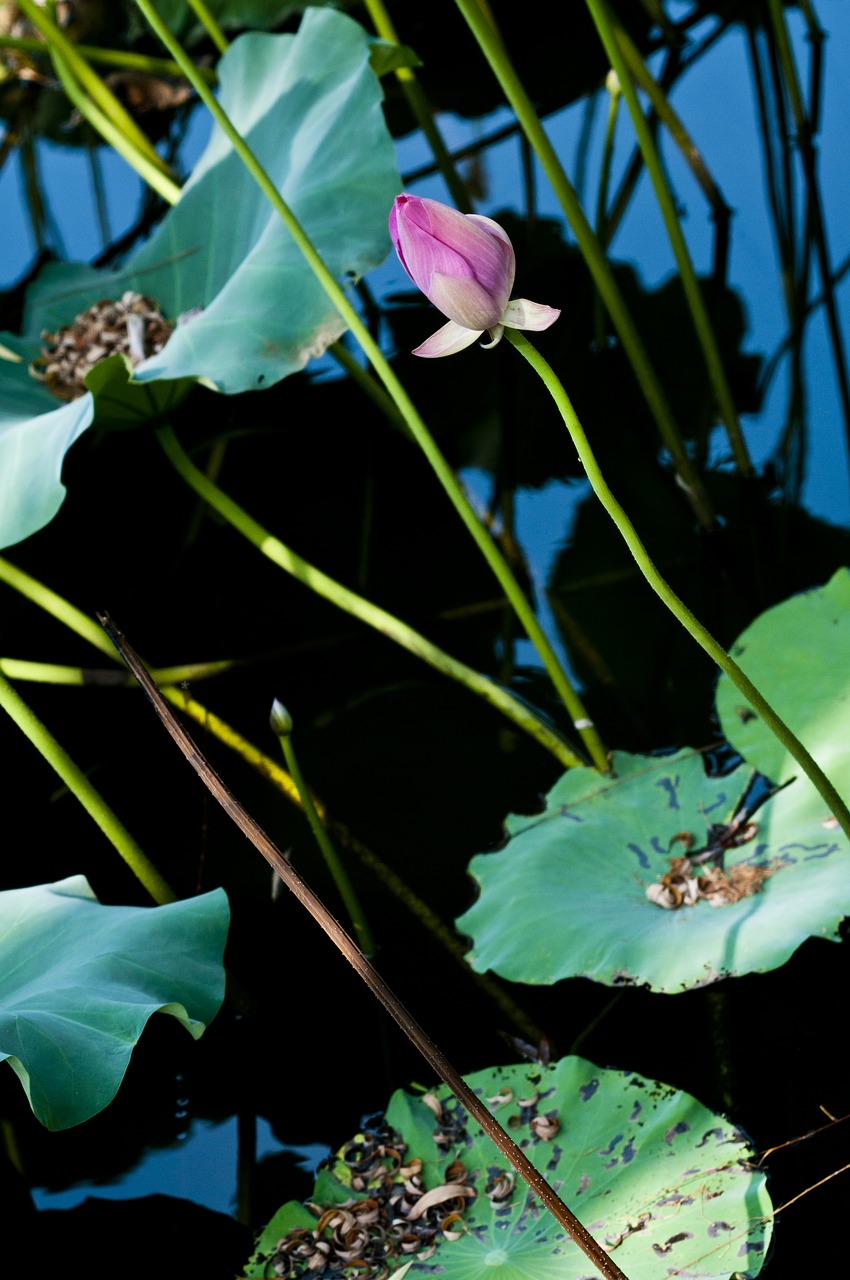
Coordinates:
(608, 30)
(666, 594)
(332, 859)
(593, 254)
(91, 800)
(379, 619)
(421, 434)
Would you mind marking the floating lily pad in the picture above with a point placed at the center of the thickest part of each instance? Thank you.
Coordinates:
(567, 896)
(80, 981)
(665, 1185)
(796, 654)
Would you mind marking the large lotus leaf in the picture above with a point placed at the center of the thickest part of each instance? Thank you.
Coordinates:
(309, 106)
(80, 980)
(36, 432)
(662, 1182)
(797, 654)
(566, 897)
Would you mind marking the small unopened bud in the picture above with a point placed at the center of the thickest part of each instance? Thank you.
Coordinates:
(280, 720)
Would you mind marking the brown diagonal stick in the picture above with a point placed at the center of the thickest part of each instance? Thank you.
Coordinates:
(364, 967)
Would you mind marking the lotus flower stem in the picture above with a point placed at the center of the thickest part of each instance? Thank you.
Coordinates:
(704, 639)
(281, 723)
(593, 254)
(608, 30)
(446, 476)
(379, 619)
(91, 800)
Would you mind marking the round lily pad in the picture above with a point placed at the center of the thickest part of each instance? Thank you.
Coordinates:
(567, 896)
(665, 1185)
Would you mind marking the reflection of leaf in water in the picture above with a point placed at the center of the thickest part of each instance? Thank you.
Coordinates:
(657, 1178)
(566, 897)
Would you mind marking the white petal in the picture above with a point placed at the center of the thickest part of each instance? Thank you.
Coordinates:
(446, 341)
(495, 336)
(522, 314)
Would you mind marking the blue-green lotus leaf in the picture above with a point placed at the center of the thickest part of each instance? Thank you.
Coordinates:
(797, 654)
(221, 264)
(36, 431)
(567, 896)
(80, 981)
(664, 1184)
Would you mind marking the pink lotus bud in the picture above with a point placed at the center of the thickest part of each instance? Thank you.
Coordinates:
(464, 264)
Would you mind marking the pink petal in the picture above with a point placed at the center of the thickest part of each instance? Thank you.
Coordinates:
(464, 301)
(446, 341)
(522, 314)
(431, 238)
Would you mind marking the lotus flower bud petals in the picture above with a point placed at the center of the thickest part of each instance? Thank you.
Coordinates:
(522, 314)
(280, 720)
(464, 263)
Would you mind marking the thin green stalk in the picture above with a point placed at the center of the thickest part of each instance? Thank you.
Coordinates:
(281, 723)
(92, 85)
(150, 173)
(447, 478)
(354, 604)
(609, 29)
(55, 673)
(91, 800)
(420, 108)
(809, 158)
(612, 85)
(704, 639)
(594, 256)
(123, 58)
(209, 24)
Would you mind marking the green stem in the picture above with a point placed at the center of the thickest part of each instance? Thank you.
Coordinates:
(608, 30)
(282, 727)
(704, 639)
(420, 108)
(594, 256)
(123, 58)
(364, 610)
(92, 85)
(209, 24)
(79, 785)
(424, 439)
(150, 173)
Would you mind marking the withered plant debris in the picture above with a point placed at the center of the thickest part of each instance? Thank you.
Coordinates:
(132, 326)
(396, 1218)
(685, 884)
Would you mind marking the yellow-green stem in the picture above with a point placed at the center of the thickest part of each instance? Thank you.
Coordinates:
(447, 478)
(607, 28)
(91, 800)
(704, 639)
(92, 85)
(379, 619)
(420, 108)
(332, 859)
